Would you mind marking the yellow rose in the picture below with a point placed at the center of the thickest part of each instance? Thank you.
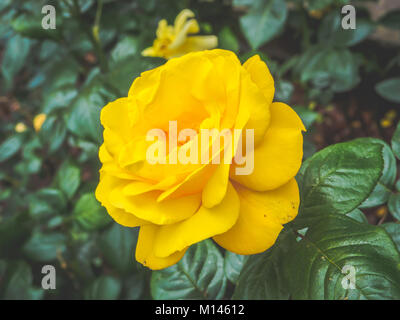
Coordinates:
(179, 204)
(173, 41)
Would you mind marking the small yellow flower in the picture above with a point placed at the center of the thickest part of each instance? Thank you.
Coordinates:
(173, 41)
(20, 127)
(38, 121)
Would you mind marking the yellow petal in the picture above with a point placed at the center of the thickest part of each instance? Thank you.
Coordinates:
(258, 107)
(278, 157)
(261, 76)
(195, 43)
(216, 187)
(148, 52)
(146, 207)
(145, 250)
(261, 217)
(204, 224)
(190, 26)
(181, 19)
(110, 117)
(103, 190)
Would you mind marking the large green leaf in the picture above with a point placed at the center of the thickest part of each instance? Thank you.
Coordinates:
(118, 247)
(233, 265)
(262, 276)
(199, 275)
(389, 89)
(264, 21)
(384, 187)
(315, 266)
(338, 179)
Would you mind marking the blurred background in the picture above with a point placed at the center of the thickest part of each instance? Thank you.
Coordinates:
(343, 83)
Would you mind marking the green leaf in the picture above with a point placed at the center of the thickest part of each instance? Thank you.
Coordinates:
(396, 142)
(263, 22)
(198, 275)
(44, 247)
(383, 189)
(118, 245)
(18, 283)
(393, 229)
(262, 277)
(45, 202)
(68, 178)
(394, 205)
(53, 133)
(357, 215)
(233, 265)
(314, 266)
(89, 214)
(10, 147)
(15, 54)
(60, 97)
(103, 288)
(227, 40)
(389, 89)
(84, 119)
(338, 179)
(325, 67)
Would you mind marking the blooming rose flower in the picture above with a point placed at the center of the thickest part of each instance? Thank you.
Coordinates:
(179, 204)
(173, 41)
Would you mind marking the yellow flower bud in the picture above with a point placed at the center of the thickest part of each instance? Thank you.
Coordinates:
(38, 121)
